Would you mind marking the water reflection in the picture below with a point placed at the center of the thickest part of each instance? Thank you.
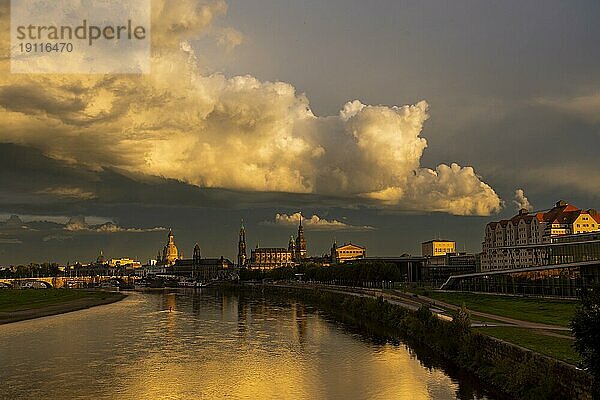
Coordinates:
(210, 344)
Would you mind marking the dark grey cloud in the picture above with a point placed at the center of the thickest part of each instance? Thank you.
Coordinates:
(31, 100)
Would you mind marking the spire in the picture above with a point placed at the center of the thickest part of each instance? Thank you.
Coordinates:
(242, 231)
(242, 255)
(300, 242)
(333, 251)
(300, 227)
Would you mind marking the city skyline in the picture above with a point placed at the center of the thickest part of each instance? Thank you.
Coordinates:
(285, 199)
(354, 114)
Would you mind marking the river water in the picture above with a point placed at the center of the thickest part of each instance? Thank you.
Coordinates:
(210, 344)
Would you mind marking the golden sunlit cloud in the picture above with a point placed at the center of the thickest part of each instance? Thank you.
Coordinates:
(235, 133)
(314, 223)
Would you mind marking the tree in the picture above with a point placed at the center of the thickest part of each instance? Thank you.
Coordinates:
(586, 329)
(461, 321)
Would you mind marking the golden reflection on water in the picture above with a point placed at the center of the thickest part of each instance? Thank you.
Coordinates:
(211, 345)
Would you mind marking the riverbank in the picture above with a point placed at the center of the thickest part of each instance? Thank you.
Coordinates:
(514, 370)
(538, 310)
(541, 325)
(20, 305)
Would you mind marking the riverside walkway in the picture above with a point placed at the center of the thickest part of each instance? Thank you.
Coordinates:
(441, 309)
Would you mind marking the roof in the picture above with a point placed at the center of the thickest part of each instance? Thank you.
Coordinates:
(270, 249)
(203, 261)
(539, 216)
(212, 261)
(350, 245)
(561, 213)
(436, 241)
(521, 217)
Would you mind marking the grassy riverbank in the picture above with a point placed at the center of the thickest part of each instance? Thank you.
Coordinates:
(556, 347)
(545, 311)
(18, 305)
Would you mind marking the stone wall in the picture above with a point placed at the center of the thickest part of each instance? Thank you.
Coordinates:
(571, 382)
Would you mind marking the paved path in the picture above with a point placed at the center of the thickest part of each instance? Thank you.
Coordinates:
(544, 329)
(440, 308)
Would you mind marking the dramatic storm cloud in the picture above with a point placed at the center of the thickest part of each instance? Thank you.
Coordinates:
(314, 223)
(235, 133)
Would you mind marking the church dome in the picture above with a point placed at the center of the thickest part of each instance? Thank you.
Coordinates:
(170, 253)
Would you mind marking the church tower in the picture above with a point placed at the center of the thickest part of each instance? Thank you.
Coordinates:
(197, 256)
(196, 261)
(292, 247)
(170, 253)
(242, 255)
(300, 242)
(334, 252)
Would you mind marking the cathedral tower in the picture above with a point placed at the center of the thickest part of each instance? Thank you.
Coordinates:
(196, 261)
(334, 252)
(242, 255)
(197, 256)
(300, 242)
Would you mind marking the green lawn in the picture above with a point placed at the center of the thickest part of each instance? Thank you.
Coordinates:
(558, 348)
(555, 312)
(17, 300)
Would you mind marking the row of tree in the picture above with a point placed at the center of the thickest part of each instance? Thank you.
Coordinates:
(31, 271)
(353, 274)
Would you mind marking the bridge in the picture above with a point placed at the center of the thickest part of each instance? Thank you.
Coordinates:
(58, 282)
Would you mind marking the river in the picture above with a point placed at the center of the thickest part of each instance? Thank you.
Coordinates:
(209, 344)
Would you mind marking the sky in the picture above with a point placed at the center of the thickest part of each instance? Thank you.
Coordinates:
(385, 123)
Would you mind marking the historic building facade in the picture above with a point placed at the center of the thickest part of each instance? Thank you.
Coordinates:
(202, 269)
(525, 239)
(275, 257)
(271, 257)
(347, 252)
